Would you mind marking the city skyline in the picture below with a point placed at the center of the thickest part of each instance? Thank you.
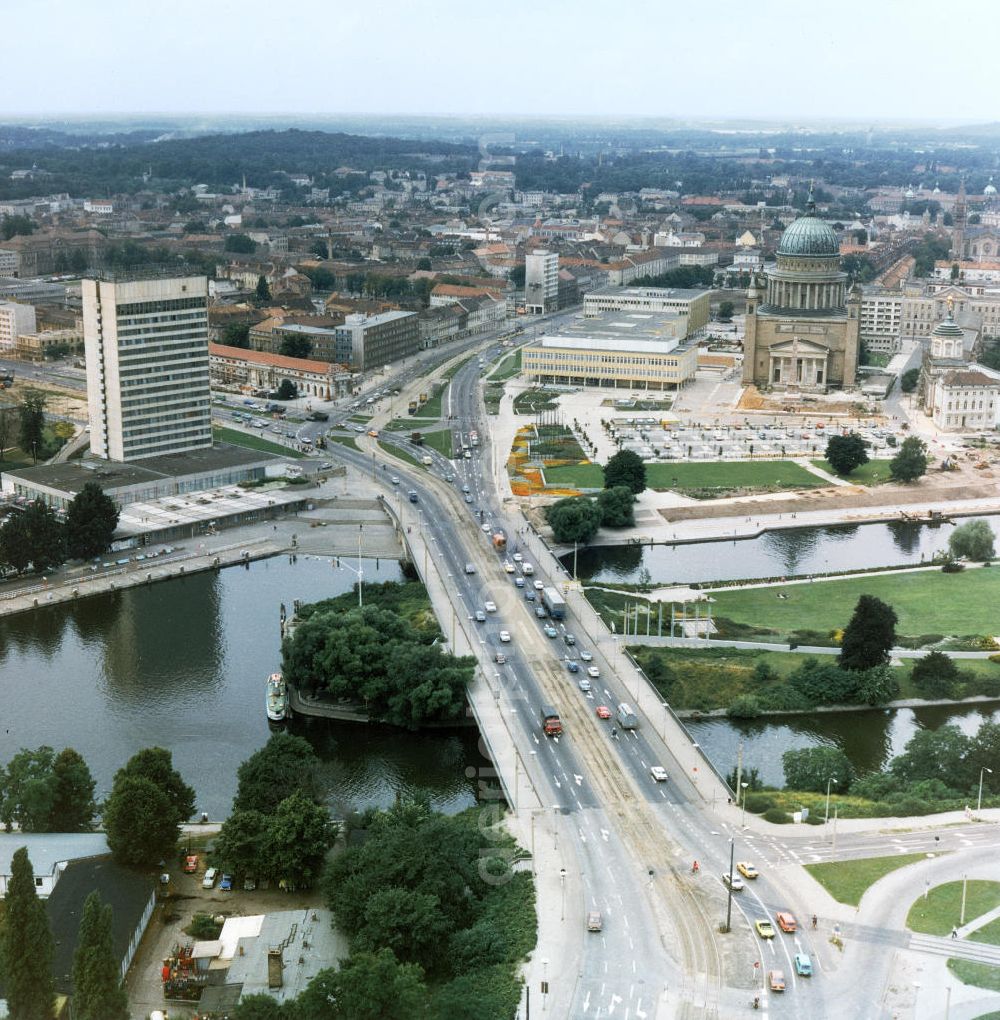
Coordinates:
(855, 61)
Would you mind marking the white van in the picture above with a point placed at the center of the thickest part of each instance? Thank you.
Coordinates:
(626, 717)
(208, 882)
(527, 569)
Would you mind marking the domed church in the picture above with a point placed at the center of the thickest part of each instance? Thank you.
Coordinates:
(801, 323)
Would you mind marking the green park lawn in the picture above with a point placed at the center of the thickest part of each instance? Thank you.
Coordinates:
(252, 442)
(875, 472)
(982, 975)
(941, 910)
(508, 367)
(847, 881)
(926, 601)
(343, 440)
(531, 401)
(575, 476)
(440, 441)
(989, 933)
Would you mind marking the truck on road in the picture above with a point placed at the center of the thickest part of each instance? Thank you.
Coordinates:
(551, 723)
(411, 407)
(554, 603)
(500, 541)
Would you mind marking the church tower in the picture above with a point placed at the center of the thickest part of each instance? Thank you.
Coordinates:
(959, 217)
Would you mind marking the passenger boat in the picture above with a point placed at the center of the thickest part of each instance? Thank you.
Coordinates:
(277, 698)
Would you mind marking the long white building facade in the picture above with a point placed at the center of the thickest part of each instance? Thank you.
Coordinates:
(146, 344)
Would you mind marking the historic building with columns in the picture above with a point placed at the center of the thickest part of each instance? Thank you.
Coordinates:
(801, 322)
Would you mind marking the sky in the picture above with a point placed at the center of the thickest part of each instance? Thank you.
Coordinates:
(793, 60)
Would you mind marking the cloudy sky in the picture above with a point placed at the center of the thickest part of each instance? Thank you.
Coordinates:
(861, 60)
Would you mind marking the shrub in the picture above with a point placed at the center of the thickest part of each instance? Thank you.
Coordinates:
(203, 927)
(777, 815)
(746, 706)
(785, 699)
(814, 819)
(758, 803)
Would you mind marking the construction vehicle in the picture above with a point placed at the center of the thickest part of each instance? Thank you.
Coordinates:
(551, 723)
(412, 407)
(423, 398)
(417, 438)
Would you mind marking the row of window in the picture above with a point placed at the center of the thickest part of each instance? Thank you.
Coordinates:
(602, 359)
(149, 307)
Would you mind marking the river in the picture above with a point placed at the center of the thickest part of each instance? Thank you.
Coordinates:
(182, 664)
(783, 553)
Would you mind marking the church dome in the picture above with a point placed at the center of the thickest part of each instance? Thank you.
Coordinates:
(990, 188)
(809, 236)
(948, 328)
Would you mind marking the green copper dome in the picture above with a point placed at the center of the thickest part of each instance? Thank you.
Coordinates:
(809, 236)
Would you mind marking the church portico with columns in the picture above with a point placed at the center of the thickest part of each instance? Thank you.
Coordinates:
(800, 364)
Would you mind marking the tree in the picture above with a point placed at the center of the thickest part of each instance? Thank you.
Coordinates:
(73, 805)
(908, 381)
(296, 841)
(911, 461)
(12, 226)
(726, 309)
(236, 334)
(239, 847)
(262, 292)
(284, 765)
(26, 947)
(942, 754)
(845, 453)
(195, 227)
(625, 468)
(972, 541)
(406, 921)
(574, 519)
(876, 685)
(91, 519)
(295, 346)
(148, 802)
(869, 636)
(14, 548)
(368, 986)
(7, 427)
(935, 675)
(97, 990)
(263, 1007)
(424, 265)
(28, 788)
(287, 390)
(617, 507)
(32, 422)
(35, 536)
(808, 769)
(240, 243)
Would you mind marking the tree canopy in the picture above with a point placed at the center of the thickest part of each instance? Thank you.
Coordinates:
(284, 765)
(574, 519)
(97, 989)
(869, 635)
(295, 346)
(911, 461)
(845, 453)
(91, 519)
(617, 507)
(625, 468)
(26, 947)
(45, 792)
(811, 768)
(972, 541)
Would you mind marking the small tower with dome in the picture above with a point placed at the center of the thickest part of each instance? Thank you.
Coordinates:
(802, 333)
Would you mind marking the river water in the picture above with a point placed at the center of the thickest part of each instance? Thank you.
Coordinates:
(182, 665)
(774, 554)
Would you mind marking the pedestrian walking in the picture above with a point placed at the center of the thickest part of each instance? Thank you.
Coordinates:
(954, 933)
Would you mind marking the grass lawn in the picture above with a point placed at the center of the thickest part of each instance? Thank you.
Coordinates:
(988, 933)
(440, 441)
(982, 975)
(507, 368)
(360, 419)
(343, 440)
(396, 451)
(927, 601)
(940, 912)
(864, 475)
(252, 442)
(531, 401)
(457, 367)
(847, 881)
(723, 476)
(432, 409)
(575, 476)
(399, 425)
(14, 458)
(492, 395)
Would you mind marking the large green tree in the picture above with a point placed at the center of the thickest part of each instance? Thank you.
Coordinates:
(617, 507)
(368, 986)
(28, 788)
(32, 422)
(298, 836)
(809, 769)
(26, 947)
(911, 461)
(574, 519)
(15, 548)
(73, 806)
(935, 675)
(295, 346)
(972, 541)
(241, 243)
(97, 989)
(625, 468)
(285, 764)
(869, 635)
(241, 844)
(262, 292)
(845, 453)
(236, 334)
(943, 754)
(46, 536)
(91, 519)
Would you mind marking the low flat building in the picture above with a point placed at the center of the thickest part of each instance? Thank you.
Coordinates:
(694, 305)
(33, 291)
(49, 343)
(377, 340)
(627, 350)
(250, 371)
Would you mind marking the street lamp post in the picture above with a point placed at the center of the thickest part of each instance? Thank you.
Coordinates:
(826, 817)
(562, 884)
(545, 984)
(729, 901)
(979, 802)
(743, 814)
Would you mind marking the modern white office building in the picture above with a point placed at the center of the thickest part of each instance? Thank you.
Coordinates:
(146, 343)
(541, 282)
(15, 319)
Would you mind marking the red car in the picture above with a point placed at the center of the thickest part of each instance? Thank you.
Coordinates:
(603, 712)
(191, 864)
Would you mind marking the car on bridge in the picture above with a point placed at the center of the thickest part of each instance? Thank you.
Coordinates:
(573, 666)
(490, 607)
(736, 883)
(395, 480)
(764, 928)
(505, 636)
(593, 672)
(500, 659)
(467, 498)
(539, 585)
(584, 684)
(541, 613)
(594, 921)
(603, 712)
(529, 595)
(746, 869)
(585, 655)
(480, 616)
(659, 773)
(803, 965)
(518, 581)
(550, 631)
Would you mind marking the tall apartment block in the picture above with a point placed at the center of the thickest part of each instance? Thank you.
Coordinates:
(541, 282)
(15, 319)
(146, 343)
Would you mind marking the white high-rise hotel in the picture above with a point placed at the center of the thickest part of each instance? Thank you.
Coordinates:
(146, 341)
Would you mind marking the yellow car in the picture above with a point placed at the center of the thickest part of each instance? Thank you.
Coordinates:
(764, 928)
(747, 870)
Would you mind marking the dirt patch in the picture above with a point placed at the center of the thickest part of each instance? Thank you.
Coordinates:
(58, 400)
(784, 404)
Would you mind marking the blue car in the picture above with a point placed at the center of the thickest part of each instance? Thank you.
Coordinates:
(572, 665)
(226, 885)
(803, 965)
